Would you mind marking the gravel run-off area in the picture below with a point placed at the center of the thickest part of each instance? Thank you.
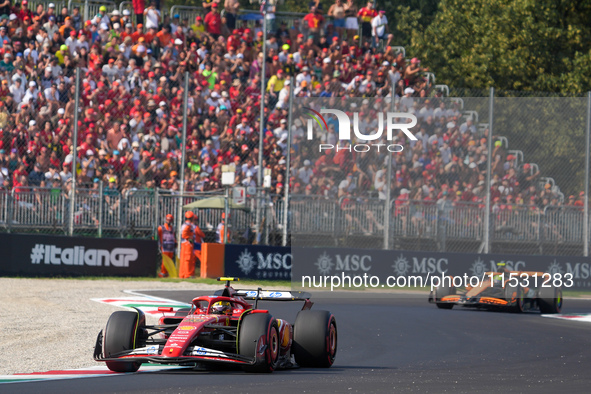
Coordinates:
(49, 324)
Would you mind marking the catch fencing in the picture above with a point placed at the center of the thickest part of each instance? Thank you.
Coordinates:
(416, 224)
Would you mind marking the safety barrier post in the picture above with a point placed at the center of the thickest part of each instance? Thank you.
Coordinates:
(488, 173)
(586, 203)
(74, 151)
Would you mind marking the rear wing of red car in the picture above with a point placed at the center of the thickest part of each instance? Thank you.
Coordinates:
(273, 295)
(263, 295)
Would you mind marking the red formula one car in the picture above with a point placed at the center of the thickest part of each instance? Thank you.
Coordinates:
(515, 291)
(223, 328)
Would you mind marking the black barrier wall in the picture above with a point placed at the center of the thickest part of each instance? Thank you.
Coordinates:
(384, 263)
(257, 262)
(40, 255)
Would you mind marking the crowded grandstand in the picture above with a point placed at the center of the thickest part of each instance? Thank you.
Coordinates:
(133, 65)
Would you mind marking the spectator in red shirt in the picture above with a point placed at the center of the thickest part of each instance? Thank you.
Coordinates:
(138, 9)
(366, 14)
(315, 20)
(213, 21)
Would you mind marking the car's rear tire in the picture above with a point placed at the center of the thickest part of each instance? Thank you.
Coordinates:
(550, 299)
(315, 339)
(252, 327)
(119, 335)
(514, 297)
(444, 291)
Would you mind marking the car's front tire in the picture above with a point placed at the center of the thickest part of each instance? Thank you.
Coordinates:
(254, 327)
(120, 334)
(315, 339)
(514, 298)
(444, 291)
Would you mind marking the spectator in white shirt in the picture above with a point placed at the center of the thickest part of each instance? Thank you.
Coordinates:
(468, 126)
(18, 91)
(152, 16)
(305, 173)
(304, 76)
(31, 51)
(407, 101)
(51, 93)
(379, 29)
(31, 93)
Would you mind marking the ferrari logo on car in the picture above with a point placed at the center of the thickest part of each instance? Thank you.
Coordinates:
(186, 328)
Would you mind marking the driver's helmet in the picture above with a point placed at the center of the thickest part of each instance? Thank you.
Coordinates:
(501, 267)
(221, 307)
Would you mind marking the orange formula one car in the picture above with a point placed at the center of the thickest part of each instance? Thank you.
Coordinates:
(515, 291)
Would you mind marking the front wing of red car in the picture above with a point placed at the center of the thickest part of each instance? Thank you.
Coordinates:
(193, 354)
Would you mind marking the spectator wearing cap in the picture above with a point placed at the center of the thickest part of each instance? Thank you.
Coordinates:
(102, 17)
(32, 93)
(380, 29)
(66, 28)
(7, 63)
(213, 21)
(275, 85)
(367, 85)
(413, 71)
(50, 26)
(407, 101)
(23, 11)
(304, 76)
(527, 176)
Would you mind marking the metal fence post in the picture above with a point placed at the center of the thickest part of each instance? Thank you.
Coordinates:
(488, 172)
(261, 121)
(586, 206)
(74, 152)
(156, 197)
(9, 212)
(226, 215)
(179, 219)
(100, 213)
(388, 185)
(288, 163)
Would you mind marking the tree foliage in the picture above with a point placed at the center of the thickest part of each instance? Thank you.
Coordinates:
(535, 45)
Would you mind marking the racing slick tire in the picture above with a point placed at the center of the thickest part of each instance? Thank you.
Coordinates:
(514, 297)
(550, 299)
(120, 334)
(444, 291)
(251, 328)
(315, 339)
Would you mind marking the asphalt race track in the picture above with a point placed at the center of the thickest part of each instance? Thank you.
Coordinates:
(394, 345)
